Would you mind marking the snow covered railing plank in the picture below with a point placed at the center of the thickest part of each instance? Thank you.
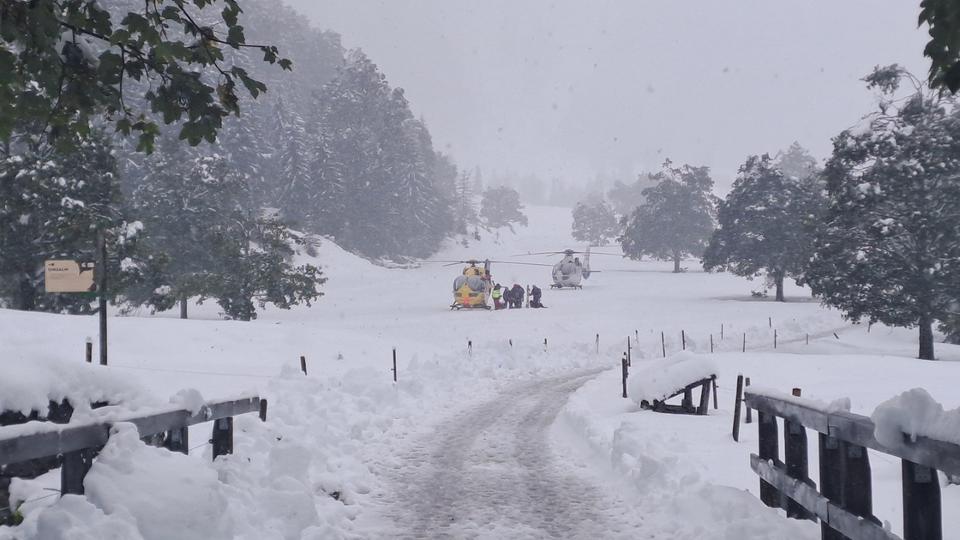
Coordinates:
(41, 439)
(844, 501)
(79, 443)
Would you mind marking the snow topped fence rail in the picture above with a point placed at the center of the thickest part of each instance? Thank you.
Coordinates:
(843, 503)
(79, 443)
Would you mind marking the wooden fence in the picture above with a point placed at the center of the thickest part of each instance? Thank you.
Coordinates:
(79, 444)
(844, 503)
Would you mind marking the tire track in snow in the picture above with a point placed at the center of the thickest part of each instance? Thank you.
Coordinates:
(489, 472)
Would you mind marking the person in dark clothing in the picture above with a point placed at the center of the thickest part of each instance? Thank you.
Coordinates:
(535, 294)
(516, 295)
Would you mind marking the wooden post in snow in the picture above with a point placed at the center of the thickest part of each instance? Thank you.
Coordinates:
(624, 366)
(736, 409)
(394, 364)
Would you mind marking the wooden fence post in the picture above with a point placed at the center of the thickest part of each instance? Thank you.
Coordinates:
(263, 410)
(749, 420)
(921, 503)
(704, 399)
(663, 344)
(711, 343)
(857, 483)
(683, 340)
(774, 338)
(178, 440)
(795, 455)
(831, 474)
(598, 343)
(744, 342)
(715, 404)
(770, 321)
(75, 466)
(721, 331)
(736, 409)
(769, 450)
(687, 402)
(394, 364)
(629, 352)
(624, 366)
(89, 350)
(222, 439)
(303, 364)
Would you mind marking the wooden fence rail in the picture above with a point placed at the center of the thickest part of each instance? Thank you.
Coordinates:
(843, 503)
(78, 444)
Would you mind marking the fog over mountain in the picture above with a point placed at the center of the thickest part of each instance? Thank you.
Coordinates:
(565, 88)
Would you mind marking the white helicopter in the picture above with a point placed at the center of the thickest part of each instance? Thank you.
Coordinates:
(571, 270)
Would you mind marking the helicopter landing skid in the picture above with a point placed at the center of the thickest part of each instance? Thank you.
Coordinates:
(458, 307)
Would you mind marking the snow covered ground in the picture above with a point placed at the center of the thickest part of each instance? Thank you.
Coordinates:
(482, 443)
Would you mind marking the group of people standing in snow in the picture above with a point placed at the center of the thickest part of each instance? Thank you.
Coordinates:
(512, 297)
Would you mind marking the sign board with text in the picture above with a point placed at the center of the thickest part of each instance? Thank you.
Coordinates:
(63, 276)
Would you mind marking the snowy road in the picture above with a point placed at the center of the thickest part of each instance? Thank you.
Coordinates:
(491, 472)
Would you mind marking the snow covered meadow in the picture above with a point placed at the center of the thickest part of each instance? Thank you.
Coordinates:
(346, 453)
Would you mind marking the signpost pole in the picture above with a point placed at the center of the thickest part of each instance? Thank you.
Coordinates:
(102, 293)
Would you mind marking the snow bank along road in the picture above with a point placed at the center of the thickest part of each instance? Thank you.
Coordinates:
(490, 472)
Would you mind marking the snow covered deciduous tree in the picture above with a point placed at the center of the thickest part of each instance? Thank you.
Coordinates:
(675, 220)
(890, 247)
(594, 223)
(500, 207)
(765, 224)
(625, 198)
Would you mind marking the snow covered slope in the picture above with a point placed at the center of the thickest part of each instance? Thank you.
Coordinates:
(319, 468)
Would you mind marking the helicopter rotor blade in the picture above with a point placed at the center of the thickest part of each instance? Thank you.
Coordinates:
(521, 263)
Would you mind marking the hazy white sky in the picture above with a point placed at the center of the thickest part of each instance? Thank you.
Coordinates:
(568, 88)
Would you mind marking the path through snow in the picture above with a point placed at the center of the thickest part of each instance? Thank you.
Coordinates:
(490, 472)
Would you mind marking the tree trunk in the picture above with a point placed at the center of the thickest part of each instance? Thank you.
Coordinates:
(778, 277)
(183, 307)
(926, 338)
(676, 263)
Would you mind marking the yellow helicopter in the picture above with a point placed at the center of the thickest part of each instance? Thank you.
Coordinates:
(473, 287)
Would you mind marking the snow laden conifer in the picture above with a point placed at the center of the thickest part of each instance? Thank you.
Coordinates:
(465, 202)
(292, 184)
(380, 167)
(890, 248)
(675, 220)
(766, 224)
(199, 213)
(594, 222)
(500, 207)
(53, 205)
